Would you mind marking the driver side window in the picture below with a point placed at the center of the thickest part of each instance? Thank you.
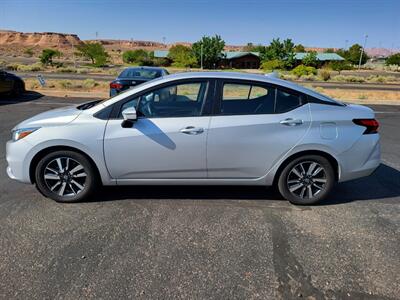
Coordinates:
(179, 100)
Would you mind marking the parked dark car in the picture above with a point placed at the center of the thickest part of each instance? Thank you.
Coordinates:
(11, 84)
(133, 76)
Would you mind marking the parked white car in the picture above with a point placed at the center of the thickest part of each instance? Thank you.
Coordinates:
(208, 128)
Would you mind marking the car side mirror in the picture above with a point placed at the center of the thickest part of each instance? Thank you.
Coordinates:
(129, 114)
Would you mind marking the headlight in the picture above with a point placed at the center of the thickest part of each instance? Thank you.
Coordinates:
(22, 132)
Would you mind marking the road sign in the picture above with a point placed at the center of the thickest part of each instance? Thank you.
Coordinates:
(41, 80)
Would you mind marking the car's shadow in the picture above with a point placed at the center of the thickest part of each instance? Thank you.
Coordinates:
(25, 97)
(384, 183)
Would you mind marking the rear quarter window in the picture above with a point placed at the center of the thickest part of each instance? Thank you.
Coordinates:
(286, 101)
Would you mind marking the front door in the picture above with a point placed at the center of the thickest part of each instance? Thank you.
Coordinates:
(254, 126)
(168, 141)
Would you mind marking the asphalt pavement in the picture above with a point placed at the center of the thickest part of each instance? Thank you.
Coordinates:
(201, 242)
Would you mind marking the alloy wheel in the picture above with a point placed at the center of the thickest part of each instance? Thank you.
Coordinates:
(307, 179)
(65, 176)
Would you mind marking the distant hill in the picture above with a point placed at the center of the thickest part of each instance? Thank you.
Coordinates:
(40, 39)
(14, 42)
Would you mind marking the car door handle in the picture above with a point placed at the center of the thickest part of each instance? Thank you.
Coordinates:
(291, 122)
(192, 130)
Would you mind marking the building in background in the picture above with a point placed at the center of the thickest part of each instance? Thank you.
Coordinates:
(229, 59)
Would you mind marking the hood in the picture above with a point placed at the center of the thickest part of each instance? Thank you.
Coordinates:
(54, 117)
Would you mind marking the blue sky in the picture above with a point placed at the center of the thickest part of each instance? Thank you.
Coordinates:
(309, 22)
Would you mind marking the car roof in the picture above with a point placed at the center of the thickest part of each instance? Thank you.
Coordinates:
(221, 75)
(144, 68)
(267, 78)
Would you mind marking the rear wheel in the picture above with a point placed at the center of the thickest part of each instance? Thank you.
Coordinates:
(307, 180)
(65, 176)
(18, 89)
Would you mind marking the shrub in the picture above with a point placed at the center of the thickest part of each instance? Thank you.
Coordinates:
(302, 70)
(34, 85)
(134, 56)
(89, 83)
(288, 76)
(67, 70)
(308, 77)
(65, 84)
(82, 70)
(342, 78)
(25, 68)
(12, 67)
(270, 65)
(324, 74)
(29, 51)
(339, 65)
(393, 59)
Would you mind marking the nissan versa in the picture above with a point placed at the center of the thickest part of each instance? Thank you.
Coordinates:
(206, 128)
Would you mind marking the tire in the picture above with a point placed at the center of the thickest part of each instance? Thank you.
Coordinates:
(75, 180)
(306, 180)
(18, 89)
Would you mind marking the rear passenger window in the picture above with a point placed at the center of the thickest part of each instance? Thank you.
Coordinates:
(286, 101)
(244, 99)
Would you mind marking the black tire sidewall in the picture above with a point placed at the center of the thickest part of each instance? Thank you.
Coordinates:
(90, 184)
(330, 175)
(17, 89)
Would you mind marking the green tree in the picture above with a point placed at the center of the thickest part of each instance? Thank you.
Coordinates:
(95, 52)
(283, 51)
(393, 59)
(299, 48)
(212, 48)
(135, 56)
(182, 56)
(47, 56)
(353, 55)
(310, 59)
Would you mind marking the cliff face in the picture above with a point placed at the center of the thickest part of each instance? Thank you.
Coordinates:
(40, 39)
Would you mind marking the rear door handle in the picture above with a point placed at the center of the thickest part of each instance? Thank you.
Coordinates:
(291, 122)
(192, 130)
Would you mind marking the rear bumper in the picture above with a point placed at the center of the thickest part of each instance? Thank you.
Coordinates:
(362, 159)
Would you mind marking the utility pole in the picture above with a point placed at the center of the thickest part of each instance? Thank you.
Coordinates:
(201, 56)
(345, 44)
(73, 53)
(362, 51)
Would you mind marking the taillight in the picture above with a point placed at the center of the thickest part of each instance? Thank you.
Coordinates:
(115, 85)
(370, 124)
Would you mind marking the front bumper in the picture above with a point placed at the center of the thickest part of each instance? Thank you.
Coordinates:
(17, 156)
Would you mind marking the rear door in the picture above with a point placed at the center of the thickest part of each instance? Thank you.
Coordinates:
(253, 126)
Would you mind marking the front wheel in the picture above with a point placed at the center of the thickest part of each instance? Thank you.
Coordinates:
(65, 176)
(307, 180)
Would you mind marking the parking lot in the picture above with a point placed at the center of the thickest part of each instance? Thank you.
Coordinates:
(201, 242)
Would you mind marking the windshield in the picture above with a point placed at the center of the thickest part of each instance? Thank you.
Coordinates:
(142, 73)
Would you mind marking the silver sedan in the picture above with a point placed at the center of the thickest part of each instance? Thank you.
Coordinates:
(208, 128)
